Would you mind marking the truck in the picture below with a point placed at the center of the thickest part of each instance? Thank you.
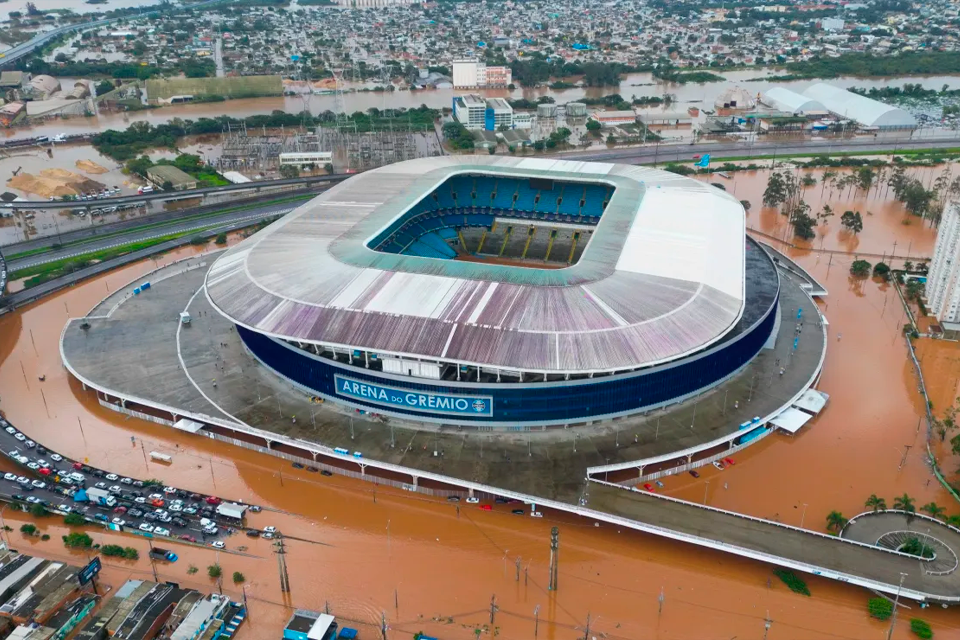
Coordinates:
(99, 496)
(160, 457)
(157, 553)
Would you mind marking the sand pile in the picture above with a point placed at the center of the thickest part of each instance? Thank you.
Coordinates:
(90, 166)
(52, 183)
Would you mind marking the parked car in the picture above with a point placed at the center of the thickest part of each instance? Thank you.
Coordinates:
(112, 477)
(473, 500)
(217, 544)
(297, 465)
(324, 472)
(270, 529)
(146, 527)
(648, 486)
(214, 500)
(718, 464)
(453, 498)
(518, 512)
(119, 521)
(253, 533)
(729, 461)
(160, 531)
(56, 457)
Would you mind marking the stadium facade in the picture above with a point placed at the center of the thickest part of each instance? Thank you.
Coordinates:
(504, 292)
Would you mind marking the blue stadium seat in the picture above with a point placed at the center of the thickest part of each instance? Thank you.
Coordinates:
(505, 189)
(445, 196)
(483, 186)
(424, 251)
(437, 243)
(525, 197)
(431, 224)
(447, 233)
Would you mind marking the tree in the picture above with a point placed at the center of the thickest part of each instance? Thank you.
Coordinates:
(933, 510)
(611, 139)
(948, 422)
(881, 270)
(953, 521)
(745, 204)
(921, 628)
(289, 171)
(835, 521)
(880, 608)
(860, 269)
(825, 213)
(28, 529)
(139, 165)
(852, 221)
(38, 510)
(491, 150)
(776, 192)
(77, 540)
(104, 86)
(875, 503)
(192, 569)
(904, 503)
(167, 185)
(328, 167)
(803, 223)
(214, 571)
(238, 577)
(907, 266)
(221, 238)
(594, 127)
(74, 519)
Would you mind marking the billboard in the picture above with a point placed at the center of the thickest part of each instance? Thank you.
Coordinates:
(90, 571)
(427, 401)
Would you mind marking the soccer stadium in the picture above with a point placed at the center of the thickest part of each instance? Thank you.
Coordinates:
(503, 292)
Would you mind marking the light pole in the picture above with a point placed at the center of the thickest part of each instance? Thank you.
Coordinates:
(705, 488)
(802, 515)
(896, 605)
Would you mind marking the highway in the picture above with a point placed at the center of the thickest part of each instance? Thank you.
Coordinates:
(213, 222)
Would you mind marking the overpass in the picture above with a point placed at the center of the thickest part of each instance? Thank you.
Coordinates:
(166, 196)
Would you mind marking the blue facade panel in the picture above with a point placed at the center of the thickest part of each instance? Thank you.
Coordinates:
(533, 403)
(488, 120)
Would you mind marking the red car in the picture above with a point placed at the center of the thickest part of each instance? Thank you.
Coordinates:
(213, 500)
(648, 487)
(77, 466)
(729, 461)
(120, 509)
(44, 472)
(156, 502)
(694, 473)
(486, 507)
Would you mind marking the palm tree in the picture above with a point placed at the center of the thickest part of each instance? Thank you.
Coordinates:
(953, 520)
(875, 503)
(933, 510)
(835, 521)
(904, 503)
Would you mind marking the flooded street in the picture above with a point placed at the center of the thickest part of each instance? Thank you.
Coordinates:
(368, 551)
(632, 85)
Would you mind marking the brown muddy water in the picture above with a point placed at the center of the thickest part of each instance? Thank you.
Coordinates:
(370, 552)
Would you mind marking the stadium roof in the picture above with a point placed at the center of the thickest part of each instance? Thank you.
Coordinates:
(867, 112)
(662, 276)
(791, 101)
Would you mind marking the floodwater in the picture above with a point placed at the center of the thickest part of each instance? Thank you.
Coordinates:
(633, 85)
(77, 6)
(413, 560)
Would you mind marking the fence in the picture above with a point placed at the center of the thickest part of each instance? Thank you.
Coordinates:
(130, 412)
(912, 514)
(934, 465)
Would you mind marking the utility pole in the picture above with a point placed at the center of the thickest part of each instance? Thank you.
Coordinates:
(903, 460)
(586, 631)
(383, 625)
(493, 608)
(767, 623)
(660, 605)
(153, 565)
(518, 568)
(554, 557)
(282, 564)
(536, 620)
(896, 605)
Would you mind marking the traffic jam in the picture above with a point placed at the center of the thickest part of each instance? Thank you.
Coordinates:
(119, 503)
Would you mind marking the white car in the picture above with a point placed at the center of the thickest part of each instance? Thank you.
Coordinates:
(119, 521)
(13, 454)
(270, 529)
(176, 507)
(140, 500)
(33, 465)
(115, 489)
(20, 437)
(718, 465)
(23, 459)
(169, 490)
(9, 476)
(39, 484)
(268, 536)
(10, 430)
(65, 508)
(156, 496)
(217, 544)
(160, 531)
(146, 527)
(473, 500)
(101, 485)
(30, 444)
(112, 476)
(124, 480)
(23, 480)
(44, 464)
(56, 457)
(33, 500)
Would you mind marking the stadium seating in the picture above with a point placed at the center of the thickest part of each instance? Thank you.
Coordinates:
(438, 244)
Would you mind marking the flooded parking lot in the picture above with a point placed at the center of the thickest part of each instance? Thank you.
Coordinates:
(382, 548)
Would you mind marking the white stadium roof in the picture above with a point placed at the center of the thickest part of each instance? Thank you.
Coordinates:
(866, 111)
(661, 277)
(791, 101)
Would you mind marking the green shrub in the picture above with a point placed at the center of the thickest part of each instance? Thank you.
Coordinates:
(45, 537)
(880, 608)
(28, 529)
(130, 553)
(214, 571)
(921, 628)
(73, 519)
(794, 583)
(238, 577)
(192, 570)
(914, 547)
(221, 238)
(77, 540)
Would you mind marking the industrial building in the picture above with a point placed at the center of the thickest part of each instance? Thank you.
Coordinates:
(475, 113)
(614, 118)
(943, 280)
(163, 173)
(792, 102)
(866, 112)
(475, 74)
(389, 311)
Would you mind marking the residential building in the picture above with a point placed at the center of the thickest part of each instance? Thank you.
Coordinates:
(943, 280)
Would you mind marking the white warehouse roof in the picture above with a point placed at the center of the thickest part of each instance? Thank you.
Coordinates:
(791, 101)
(868, 112)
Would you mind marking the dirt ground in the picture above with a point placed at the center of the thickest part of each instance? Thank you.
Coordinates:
(90, 166)
(54, 183)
